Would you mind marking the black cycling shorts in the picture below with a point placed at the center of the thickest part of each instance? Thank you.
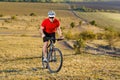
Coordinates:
(48, 35)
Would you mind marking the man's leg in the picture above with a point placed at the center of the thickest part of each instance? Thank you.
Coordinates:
(45, 49)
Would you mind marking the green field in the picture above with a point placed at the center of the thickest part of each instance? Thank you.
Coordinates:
(102, 19)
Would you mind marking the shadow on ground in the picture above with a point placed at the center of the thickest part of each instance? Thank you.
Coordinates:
(95, 49)
(103, 50)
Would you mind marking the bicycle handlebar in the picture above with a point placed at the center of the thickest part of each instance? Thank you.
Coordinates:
(51, 38)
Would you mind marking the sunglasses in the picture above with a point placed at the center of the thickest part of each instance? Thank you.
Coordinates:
(51, 17)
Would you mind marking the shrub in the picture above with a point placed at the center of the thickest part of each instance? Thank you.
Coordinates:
(111, 29)
(68, 35)
(62, 28)
(111, 37)
(72, 24)
(1, 15)
(79, 45)
(96, 10)
(93, 22)
(73, 6)
(13, 17)
(119, 34)
(23, 35)
(32, 14)
(100, 35)
(87, 35)
(83, 8)
(80, 23)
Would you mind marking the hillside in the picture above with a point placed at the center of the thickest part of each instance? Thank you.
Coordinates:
(20, 58)
(102, 19)
(24, 21)
(21, 46)
(105, 14)
(49, 1)
(107, 5)
(25, 9)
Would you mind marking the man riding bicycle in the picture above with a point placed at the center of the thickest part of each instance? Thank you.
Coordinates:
(47, 29)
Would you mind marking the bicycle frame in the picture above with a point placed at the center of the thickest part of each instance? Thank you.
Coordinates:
(51, 45)
(52, 57)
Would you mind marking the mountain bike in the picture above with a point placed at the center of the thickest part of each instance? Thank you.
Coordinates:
(54, 57)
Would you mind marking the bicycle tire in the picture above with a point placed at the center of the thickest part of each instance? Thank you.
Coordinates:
(59, 58)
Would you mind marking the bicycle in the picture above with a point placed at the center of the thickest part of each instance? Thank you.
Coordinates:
(54, 57)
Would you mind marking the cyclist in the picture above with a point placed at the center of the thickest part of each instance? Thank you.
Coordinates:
(47, 29)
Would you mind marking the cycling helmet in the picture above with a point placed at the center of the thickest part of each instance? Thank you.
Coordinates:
(51, 14)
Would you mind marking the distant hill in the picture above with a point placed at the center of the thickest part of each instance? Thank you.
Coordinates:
(110, 5)
(55, 0)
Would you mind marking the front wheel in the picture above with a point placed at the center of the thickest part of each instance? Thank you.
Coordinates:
(55, 60)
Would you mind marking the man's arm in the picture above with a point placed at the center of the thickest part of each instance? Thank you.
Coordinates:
(41, 31)
(59, 32)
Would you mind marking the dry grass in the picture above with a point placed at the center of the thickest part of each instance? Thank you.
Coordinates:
(9, 8)
(24, 25)
(23, 21)
(20, 50)
(20, 58)
(29, 25)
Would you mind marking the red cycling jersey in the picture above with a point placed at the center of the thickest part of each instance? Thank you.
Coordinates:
(50, 27)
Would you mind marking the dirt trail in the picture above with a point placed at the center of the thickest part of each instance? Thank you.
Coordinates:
(75, 14)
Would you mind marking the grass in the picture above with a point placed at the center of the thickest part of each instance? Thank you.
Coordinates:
(102, 19)
(20, 58)
(30, 24)
(17, 8)
(21, 47)
(104, 5)
(23, 20)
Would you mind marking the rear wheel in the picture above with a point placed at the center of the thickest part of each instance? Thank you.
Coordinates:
(55, 60)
